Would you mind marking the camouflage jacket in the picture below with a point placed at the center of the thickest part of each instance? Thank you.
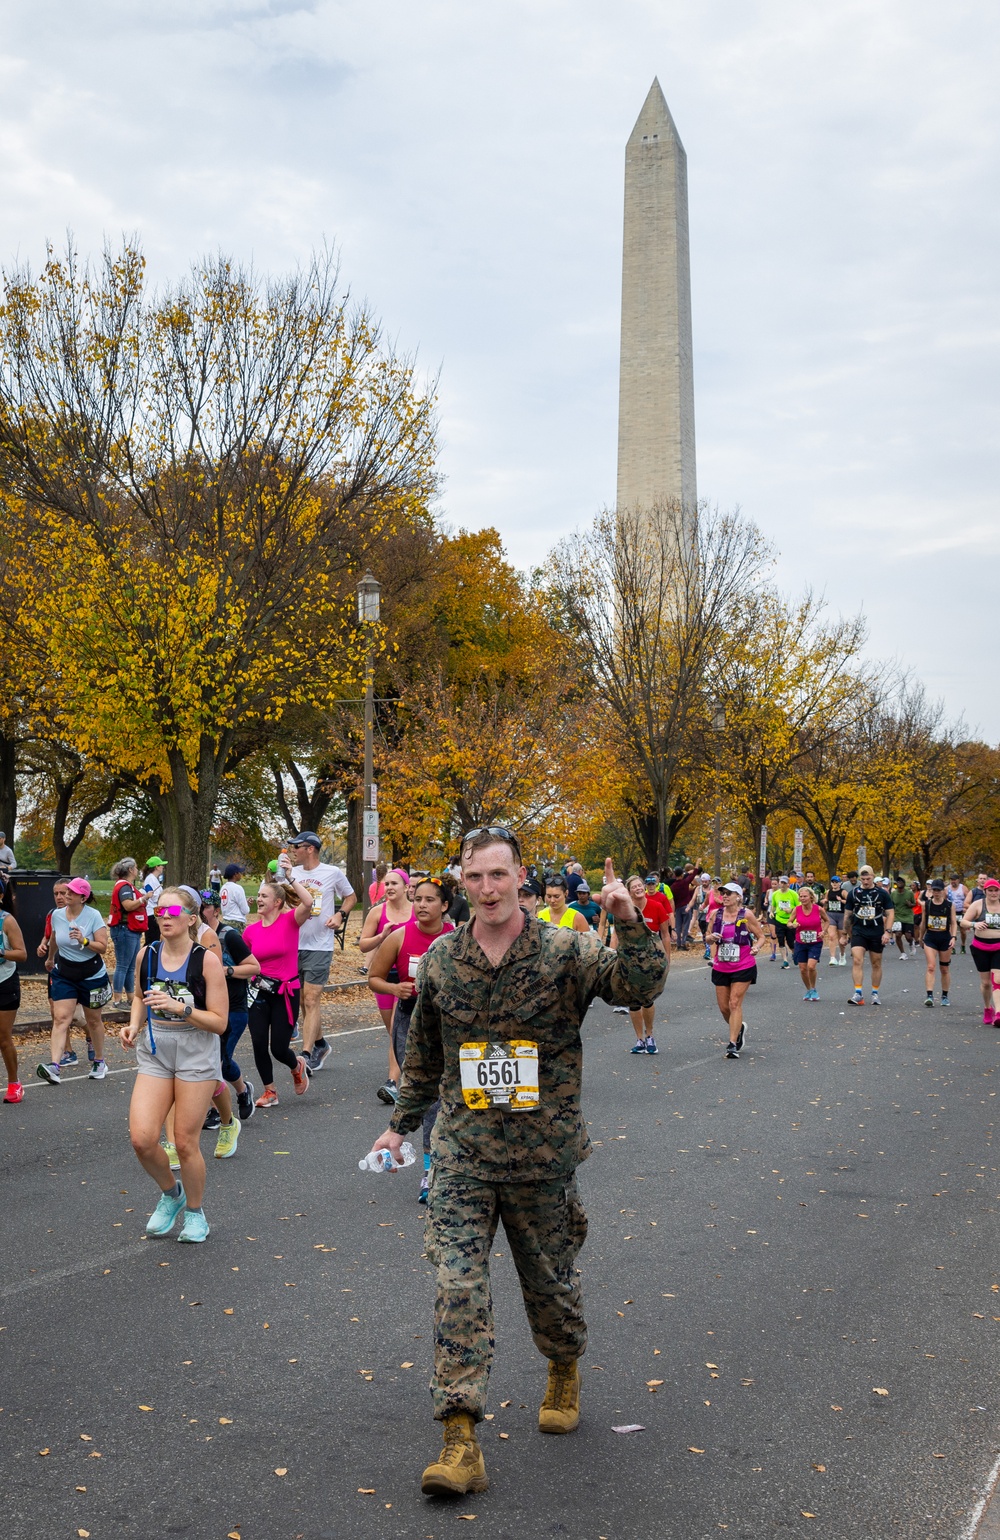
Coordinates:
(541, 991)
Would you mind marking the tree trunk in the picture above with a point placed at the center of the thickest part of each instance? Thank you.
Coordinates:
(355, 866)
(64, 848)
(187, 816)
(8, 786)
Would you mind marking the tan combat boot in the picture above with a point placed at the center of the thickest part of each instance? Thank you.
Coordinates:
(560, 1411)
(461, 1467)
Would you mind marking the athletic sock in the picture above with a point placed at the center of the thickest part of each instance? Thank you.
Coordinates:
(320, 1042)
(175, 1191)
(427, 1160)
(194, 1210)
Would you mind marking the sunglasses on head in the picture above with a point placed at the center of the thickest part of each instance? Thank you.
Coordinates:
(173, 911)
(498, 832)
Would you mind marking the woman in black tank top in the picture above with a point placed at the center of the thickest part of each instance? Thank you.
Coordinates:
(937, 933)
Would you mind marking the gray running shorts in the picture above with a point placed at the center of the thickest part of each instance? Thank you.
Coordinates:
(182, 1053)
(314, 965)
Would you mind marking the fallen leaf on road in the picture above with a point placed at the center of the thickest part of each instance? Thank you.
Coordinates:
(693, 1450)
(711, 1366)
(939, 1457)
(505, 1435)
(505, 1403)
(466, 1515)
(81, 1489)
(879, 1390)
(281, 1470)
(836, 1408)
(819, 1467)
(407, 1365)
(227, 1312)
(94, 1454)
(83, 1533)
(626, 1427)
(806, 1514)
(621, 1313)
(86, 1438)
(234, 1534)
(145, 1408)
(226, 1421)
(367, 1491)
(43, 1451)
(653, 1383)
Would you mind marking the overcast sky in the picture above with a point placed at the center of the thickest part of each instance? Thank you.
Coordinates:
(468, 161)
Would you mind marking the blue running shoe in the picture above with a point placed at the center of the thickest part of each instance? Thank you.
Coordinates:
(651, 1045)
(195, 1227)
(161, 1221)
(638, 1046)
(68, 1059)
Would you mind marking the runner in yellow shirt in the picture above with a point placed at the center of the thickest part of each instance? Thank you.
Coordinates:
(783, 902)
(557, 910)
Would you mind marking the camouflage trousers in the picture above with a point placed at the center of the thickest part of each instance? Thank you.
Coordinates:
(545, 1225)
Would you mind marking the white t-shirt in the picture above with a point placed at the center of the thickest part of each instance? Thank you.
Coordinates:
(153, 885)
(89, 921)
(234, 902)
(326, 883)
(7, 856)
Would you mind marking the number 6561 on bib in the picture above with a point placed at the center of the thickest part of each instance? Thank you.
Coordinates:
(501, 1075)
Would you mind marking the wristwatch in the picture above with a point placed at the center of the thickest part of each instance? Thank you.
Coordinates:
(229, 971)
(187, 1011)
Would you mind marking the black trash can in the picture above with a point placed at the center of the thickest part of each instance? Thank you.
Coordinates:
(29, 899)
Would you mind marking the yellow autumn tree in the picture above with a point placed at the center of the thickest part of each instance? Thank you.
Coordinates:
(184, 478)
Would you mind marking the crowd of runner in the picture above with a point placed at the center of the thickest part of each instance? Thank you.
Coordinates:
(487, 945)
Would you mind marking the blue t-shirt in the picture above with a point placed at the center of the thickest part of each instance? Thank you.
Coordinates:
(89, 921)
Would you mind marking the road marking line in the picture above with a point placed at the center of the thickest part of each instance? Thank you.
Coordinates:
(36, 1084)
(62, 1273)
(972, 1523)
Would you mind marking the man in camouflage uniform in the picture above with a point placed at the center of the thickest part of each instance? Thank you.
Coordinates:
(503, 997)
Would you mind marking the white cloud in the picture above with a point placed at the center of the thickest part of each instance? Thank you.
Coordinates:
(843, 161)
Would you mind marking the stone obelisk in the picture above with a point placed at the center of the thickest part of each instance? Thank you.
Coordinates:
(656, 457)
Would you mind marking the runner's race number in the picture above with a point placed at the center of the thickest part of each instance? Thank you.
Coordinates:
(503, 1075)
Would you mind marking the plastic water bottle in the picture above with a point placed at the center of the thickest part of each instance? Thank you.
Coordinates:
(381, 1160)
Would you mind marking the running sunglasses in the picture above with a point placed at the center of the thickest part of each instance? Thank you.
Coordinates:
(173, 911)
(498, 832)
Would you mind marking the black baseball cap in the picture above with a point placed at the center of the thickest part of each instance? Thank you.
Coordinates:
(937, 883)
(533, 886)
(233, 870)
(307, 837)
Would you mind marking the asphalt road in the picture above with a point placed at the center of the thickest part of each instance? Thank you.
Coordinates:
(801, 1246)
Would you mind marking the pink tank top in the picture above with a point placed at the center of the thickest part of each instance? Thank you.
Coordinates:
(414, 945)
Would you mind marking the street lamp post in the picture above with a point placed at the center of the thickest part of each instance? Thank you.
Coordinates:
(369, 610)
(719, 723)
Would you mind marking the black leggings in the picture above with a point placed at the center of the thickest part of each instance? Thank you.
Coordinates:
(269, 1020)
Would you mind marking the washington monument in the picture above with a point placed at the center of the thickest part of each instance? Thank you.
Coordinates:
(656, 460)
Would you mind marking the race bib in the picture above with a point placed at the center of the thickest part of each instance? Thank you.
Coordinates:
(937, 922)
(866, 911)
(807, 937)
(834, 906)
(501, 1075)
(897, 924)
(412, 964)
(992, 921)
(729, 951)
(99, 997)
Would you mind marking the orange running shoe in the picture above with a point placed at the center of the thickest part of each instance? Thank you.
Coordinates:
(268, 1099)
(300, 1074)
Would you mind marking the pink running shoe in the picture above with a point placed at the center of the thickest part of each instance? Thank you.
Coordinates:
(15, 1092)
(989, 1016)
